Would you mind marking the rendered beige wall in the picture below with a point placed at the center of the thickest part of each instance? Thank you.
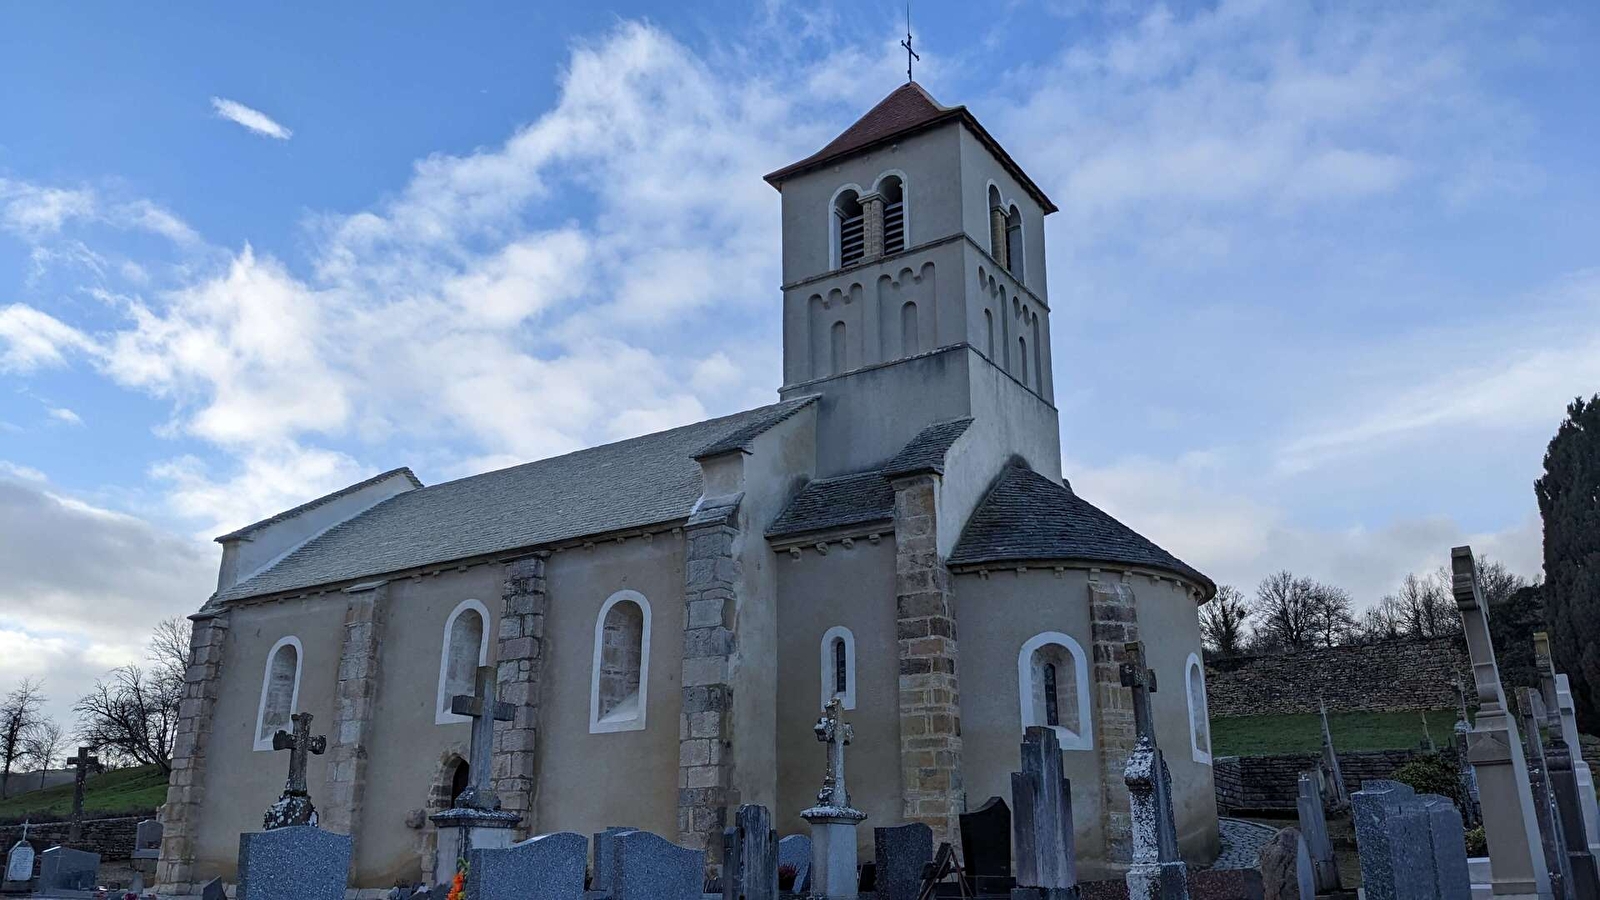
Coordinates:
(855, 588)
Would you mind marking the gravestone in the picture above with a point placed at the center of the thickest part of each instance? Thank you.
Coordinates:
(1395, 841)
(1562, 759)
(986, 847)
(1552, 837)
(750, 856)
(1333, 777)
(294, 806)
(547, 867)
(900, 852)
(19, 864)
(645, 866)
(1286, 872)
(794, 852)
(64, 870)
(1042, 820)
(833, 820)
(1158, 871)
(1449, 844)
(1466, 776)
(214, 890)
(1494, 747)
(82, 763)
(475, 821)
(300, 862)
(1314, 831)
(605, 848)
(1586, 795)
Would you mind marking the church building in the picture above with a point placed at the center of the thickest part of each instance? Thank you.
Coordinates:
(667, 615)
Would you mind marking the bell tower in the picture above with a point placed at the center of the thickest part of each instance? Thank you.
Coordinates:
(914, 286)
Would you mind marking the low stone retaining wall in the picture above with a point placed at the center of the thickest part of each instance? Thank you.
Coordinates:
(1385, 677)
(111, 838)
(1272, 783)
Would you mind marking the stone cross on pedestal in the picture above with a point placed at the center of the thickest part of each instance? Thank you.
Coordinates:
(833, 820)
(81, 763)
(484, 707)
(1157, 870)
(1495, 749)
(294, 807)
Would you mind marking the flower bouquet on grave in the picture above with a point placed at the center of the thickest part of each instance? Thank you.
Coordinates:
(458, 887)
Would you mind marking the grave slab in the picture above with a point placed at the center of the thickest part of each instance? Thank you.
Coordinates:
(646, 866)
(63, 870)
(547, 867)
(299, 862)
(900, 852)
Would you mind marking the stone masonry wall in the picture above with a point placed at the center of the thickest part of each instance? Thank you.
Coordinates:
(520, 662)
(111, 838)
(711, 578)
(932, 788)
(1251, 783)
(1393, 675)
(1113, 622)
(355, 698)
(186, 788)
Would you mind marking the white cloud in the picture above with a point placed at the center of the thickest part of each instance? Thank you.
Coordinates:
(21, 472)
(30, 339)
(267, 479)
(62, 414)
(253, 119)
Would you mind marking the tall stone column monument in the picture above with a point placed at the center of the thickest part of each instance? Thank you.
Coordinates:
(1495, 748)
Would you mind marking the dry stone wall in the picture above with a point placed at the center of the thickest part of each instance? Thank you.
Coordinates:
(111, 838)
(1384, 677)
(1260, 783)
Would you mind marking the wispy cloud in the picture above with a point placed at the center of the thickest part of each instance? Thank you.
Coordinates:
(62, 414)
(253, 119)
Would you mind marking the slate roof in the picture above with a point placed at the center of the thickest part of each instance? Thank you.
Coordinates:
(641, 481)
(907, 109)
(835, 503)
(1026, 516)
(926, 451)
(313, 504)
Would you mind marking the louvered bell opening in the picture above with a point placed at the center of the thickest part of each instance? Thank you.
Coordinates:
(894, 227)
(852, 240)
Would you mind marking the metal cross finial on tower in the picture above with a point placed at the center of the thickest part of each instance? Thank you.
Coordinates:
(911, 55)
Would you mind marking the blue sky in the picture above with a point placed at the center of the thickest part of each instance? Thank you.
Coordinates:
(1324, 276)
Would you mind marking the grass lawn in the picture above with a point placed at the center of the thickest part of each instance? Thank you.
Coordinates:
(1263, 735)
(140, 789)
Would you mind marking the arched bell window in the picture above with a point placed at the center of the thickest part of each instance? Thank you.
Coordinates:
(892, 189)
(280, 691)
(849, 229)
(1014, 250)
(1053, 688)
(839, 667)
(464, 648)
(620, 684)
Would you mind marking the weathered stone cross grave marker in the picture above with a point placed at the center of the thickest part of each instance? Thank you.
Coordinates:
(81, 762)
(833, 820)
(1157, 870)
(1568, 774)
(485, 708)
(294, 807)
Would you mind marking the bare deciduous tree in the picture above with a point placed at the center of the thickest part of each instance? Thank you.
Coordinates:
(47, 744)
(1285, 616)
(132, 714)
(1333, 622)
(1222, 621)
(19, 716)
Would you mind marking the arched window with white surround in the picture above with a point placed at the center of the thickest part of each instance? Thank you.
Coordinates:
(280, 691)
(1194, 685)
(849, 228)
(893, 190)
(620, 683)
(839, 667)
(1053, 688)
(465, 647)
(1014, 251)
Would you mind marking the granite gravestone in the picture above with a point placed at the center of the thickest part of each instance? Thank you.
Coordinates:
(1553, 841)
(1314, 831)
(64, 870)
(605, 847)
(214, 890)
(900, 853)
(1561, 761)
(986, 847)
(1394, 842)
(547, 867)
(794, 856)
(750, 856)
(1447, 838)
(645, 866)
(300, 862)
(1042, 821)
(1158, 871)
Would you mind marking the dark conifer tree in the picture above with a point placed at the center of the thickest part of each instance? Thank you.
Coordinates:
(1569, 502)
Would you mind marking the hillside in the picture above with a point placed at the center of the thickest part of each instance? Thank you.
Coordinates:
(123, 791)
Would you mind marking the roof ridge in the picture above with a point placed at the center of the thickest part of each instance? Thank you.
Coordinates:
(319, 501)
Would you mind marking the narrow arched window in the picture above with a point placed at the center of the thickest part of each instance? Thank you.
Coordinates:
(850, 228)
(1194, 683)
(280, 691)
(1038, 356)
(908, 329)
(988, 324)
(620, 684)
(837, 345)
(839, 666)
(1014, 249)
(465, 647)
(997, 226)
(894, 213)
(1053, 688)
(1022, 360)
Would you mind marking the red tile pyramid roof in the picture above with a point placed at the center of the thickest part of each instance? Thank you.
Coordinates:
(906, 110)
